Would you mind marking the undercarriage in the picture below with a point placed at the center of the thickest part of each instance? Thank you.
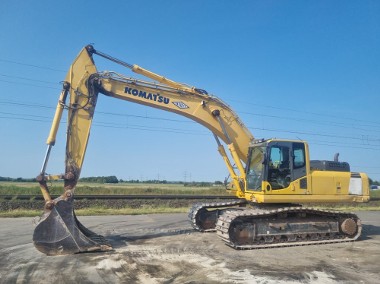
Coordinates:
(255, 226)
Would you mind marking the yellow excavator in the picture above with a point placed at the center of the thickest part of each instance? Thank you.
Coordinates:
(270, 178)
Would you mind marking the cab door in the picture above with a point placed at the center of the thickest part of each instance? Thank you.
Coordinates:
(298, 160)
(286, 163)
(278, 167)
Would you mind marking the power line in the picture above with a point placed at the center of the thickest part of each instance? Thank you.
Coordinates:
(329, 123)
(26, 105)
(111, 125)
(28, 79)
(340, 143)
(363, 138)
(316, 134)
(190, 121)
(101, 112)
(28, 84)
(368, 167)
(148, 128)
(173, 130)
(144, 117)
(233, 100)
(21, 118)
(168, 130)
(31, 115)
(303, 111)
(31, 65)
(345, 146)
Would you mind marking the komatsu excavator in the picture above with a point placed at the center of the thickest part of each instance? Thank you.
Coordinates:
(270, 178)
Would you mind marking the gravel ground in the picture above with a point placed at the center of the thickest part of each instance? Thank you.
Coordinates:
(164, 249)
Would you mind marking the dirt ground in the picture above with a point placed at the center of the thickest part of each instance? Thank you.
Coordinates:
(164, 249)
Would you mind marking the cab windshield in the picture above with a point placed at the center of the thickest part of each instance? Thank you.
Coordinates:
(255, 168)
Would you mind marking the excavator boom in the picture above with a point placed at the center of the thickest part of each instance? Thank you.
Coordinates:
(59, 231)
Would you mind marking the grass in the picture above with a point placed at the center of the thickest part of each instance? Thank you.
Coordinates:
(56, 188)
(375, 193)
(86, 188)
(20, 213)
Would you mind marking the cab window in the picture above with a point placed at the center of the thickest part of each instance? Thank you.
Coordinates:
(299, 155)
(279, 167)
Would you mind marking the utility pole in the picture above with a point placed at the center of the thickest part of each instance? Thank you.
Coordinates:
(185, 176)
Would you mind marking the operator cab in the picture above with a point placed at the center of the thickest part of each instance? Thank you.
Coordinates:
(279, 162)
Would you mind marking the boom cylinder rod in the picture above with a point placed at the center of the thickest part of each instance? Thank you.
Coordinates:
(217, 140)
(92, 50)
(47, 155)
(58, 114)
(223, 153)
(216, 113)
(55, 124)
(139, 70)
(231, 146)
(235, 178)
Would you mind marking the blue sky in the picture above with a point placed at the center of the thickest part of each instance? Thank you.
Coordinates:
(290, 69)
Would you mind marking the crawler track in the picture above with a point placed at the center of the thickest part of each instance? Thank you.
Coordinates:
(203, 220)
(290, 226)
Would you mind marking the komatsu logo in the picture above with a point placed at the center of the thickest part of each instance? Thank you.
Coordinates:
(148, 96)
(180, 105)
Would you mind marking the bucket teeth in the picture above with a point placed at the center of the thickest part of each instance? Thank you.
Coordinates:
(61, 233)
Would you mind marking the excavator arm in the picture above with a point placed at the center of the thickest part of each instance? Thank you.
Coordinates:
(59, 231)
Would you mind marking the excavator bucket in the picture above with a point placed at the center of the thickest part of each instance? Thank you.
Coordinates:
(61, 233)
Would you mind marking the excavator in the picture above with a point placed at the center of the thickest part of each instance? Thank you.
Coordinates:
(273, 180)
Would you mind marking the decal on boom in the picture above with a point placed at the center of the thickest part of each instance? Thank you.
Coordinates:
(180, 105)
(142, 94)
